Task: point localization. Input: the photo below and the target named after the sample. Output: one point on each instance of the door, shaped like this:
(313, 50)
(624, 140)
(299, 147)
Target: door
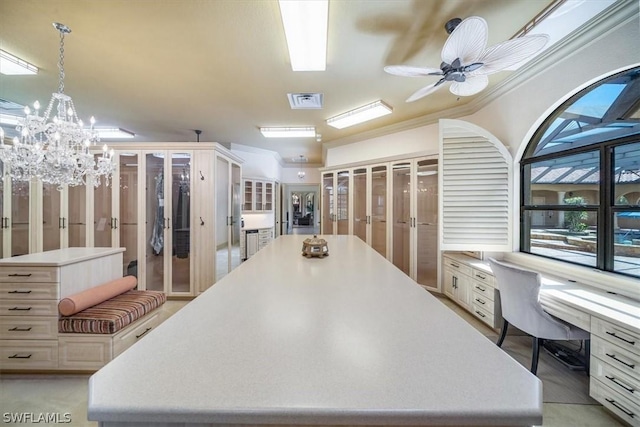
(426, 223)
(378, 206)
(401, 216)
(126, 221)
(360, 197)
(327, 203)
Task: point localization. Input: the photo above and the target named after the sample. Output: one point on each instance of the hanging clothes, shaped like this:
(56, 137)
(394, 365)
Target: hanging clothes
(157, 235)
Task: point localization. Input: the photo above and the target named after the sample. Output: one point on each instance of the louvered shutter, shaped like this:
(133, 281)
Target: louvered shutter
(475, 188)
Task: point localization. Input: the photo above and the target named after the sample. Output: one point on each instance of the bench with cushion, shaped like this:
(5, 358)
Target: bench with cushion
(99, 323)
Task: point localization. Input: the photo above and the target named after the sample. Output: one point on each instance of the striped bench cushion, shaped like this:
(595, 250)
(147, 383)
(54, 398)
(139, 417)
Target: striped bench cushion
(113, 314)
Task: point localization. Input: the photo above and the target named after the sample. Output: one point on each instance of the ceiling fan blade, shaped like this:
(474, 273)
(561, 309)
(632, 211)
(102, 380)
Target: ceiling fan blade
(467, 41)
(409, 71)
(510, 52)
(471, 86)
(425, 91)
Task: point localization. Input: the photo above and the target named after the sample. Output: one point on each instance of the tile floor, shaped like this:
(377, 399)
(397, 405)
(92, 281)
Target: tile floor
(67, 394)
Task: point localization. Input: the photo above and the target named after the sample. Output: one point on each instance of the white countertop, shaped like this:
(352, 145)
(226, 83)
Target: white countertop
(58, 257)
(347, 339)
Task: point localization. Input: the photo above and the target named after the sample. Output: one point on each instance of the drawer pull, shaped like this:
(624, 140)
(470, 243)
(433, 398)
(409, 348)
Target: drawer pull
(17, 329)
(480, 314)
(618, 383)
(480, 301)
(480, 276)
(17, 356)
(622, 408)
(19, 275)
(613, 356)
(19, 292)
(20, 309)
(145, 331)
(613, 334)
(480, 288)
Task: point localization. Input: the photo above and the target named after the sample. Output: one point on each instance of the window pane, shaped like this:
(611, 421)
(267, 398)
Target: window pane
(565, 235)
(565, 180)
(626, 254)
(626, 172)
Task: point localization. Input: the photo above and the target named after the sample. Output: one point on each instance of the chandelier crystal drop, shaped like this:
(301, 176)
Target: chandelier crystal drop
(56, 146)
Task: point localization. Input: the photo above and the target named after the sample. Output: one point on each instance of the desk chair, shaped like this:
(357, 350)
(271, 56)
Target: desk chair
(519, 301)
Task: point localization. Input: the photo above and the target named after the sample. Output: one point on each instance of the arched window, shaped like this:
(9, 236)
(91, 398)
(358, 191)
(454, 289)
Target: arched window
(580, 178)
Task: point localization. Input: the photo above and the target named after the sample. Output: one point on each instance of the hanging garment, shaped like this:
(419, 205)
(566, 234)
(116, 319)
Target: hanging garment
(157, 235)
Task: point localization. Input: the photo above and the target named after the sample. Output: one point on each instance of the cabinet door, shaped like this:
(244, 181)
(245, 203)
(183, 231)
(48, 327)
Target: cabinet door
(401, 211)
(20, 217)
(448, 285)
(327, 203)
(378, 209)
(156, 223)
(268, 196)
(360, 214)
(103, 218)
(77, 216)
(247, 199)
(342, 202)
(178, 215)
(222, 206)
(426, 198)
(52, 219)
(127, 219)
(258, 191)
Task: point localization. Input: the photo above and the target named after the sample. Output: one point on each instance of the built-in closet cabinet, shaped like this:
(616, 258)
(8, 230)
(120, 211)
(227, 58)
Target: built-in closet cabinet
(257, 196)
(335, 202)
(160, 205)
(227, 213)
(393, 207)
(414, 217)
(370, 206)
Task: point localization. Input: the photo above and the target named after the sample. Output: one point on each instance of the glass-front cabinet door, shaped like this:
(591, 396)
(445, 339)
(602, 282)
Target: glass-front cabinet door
(378, 208)
(223, 200)
(20, 216)
(342, 202)
(360, 214)
(76, 216)
(401, 216)
(53, 222)
(258, 188)
(426, 197)
(327, 203)
(104, 221)
(168, 222)
(126, 221)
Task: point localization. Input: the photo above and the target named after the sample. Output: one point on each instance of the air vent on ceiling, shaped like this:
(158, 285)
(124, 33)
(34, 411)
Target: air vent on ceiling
(305, 101)
(300, 159)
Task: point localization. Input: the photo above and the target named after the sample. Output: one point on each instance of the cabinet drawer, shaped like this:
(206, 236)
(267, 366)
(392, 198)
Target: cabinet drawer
(457, 266)
(615, 402)
(482, 301)
(482, 314)
(483, 277)
(84, 351)
(28, 327)
(35, 307)
(126, 338)
(25, 291)
(28, 354)
(29, 274)
(616, 379)
(618, 335)
(611, 354)
(264, 233)
(483, 289)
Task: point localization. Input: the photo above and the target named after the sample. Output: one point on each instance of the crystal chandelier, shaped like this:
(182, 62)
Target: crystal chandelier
(55, 146)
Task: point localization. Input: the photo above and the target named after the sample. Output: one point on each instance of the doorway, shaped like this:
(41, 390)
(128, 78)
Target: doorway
(302, 210)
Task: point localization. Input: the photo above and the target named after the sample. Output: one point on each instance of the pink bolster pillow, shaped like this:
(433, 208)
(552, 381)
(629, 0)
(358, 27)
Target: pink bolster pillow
(90, 297)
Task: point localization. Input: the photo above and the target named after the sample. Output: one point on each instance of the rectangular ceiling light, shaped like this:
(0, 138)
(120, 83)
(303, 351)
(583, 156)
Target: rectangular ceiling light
(359, 115)
(302, 132)
(305, 27)
(12, 65)
(114, 133)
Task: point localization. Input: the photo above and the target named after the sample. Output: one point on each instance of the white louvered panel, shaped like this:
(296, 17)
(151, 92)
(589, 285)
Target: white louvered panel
(475, 190)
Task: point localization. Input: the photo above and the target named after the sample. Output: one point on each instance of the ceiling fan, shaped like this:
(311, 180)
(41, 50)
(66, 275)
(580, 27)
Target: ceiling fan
(466, 60)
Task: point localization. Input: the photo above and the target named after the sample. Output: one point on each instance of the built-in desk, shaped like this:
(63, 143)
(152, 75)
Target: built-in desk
(613, 320)
(348, 339)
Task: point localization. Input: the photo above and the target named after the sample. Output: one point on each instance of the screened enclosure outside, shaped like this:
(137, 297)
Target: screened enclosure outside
(580, 179)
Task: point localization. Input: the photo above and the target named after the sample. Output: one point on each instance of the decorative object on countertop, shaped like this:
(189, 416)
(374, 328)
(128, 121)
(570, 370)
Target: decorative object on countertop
(315, 247)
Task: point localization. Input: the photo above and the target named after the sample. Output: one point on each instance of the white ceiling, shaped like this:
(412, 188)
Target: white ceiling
(165, 68)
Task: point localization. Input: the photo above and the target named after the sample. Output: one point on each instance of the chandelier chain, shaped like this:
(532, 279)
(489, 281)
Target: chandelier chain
(61, 63)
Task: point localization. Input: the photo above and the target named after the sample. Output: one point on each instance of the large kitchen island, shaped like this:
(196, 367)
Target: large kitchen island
(343, 340)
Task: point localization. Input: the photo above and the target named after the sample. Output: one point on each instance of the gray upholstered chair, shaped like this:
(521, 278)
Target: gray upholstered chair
(519, 301)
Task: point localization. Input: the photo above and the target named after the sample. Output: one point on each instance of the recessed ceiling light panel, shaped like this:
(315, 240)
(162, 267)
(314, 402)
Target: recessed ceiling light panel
(12, 65)
(360, 115)
(289, 132)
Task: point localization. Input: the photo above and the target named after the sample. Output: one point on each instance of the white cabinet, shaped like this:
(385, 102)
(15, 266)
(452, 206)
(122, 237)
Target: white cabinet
(258, 196)
(252, 240)
(414, 218)
(336, 202)
(31, 287)
(469, 282)
(370, 206)
(615, 368)
(457, 282)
